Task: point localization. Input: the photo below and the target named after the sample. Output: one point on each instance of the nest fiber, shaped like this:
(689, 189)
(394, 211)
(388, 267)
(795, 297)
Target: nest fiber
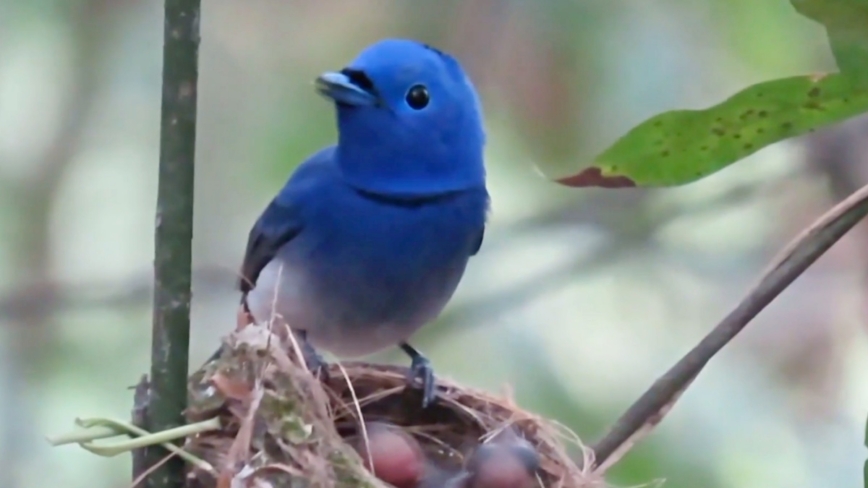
(280, 425)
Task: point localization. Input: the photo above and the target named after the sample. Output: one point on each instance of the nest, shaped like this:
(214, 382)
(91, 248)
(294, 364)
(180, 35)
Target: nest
(279, 424)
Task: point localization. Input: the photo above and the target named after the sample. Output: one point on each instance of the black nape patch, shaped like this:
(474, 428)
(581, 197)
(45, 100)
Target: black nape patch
(359, 78)
(432, 48)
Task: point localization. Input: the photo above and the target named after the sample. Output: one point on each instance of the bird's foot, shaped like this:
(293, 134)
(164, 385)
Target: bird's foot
(315, 363)
(312, 359)
(243, 318)
(421, 370)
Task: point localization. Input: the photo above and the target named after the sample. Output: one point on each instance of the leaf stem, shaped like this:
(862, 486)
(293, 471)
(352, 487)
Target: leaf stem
(92, 429)
(83, 435)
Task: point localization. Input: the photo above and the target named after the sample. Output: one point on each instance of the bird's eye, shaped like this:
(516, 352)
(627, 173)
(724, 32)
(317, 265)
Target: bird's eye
(417, 97)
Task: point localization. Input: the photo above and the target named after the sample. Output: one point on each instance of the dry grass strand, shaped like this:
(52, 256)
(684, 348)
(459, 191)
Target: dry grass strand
(291, 425)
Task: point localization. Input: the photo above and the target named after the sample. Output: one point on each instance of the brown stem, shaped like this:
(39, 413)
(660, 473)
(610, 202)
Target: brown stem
(653, 405)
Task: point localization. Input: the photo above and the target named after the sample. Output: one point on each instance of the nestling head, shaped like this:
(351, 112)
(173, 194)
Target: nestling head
(410, 122)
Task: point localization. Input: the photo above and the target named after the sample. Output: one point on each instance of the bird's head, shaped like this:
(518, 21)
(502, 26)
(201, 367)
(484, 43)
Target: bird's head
(409, 121)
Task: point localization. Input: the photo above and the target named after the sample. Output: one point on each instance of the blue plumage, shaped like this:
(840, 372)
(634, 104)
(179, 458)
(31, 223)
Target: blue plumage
(370, 237)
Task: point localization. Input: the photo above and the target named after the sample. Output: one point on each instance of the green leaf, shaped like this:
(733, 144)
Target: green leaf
(682, 146)
(846, 23)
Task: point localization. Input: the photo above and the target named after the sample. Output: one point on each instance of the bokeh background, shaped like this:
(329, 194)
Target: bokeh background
(579, 298)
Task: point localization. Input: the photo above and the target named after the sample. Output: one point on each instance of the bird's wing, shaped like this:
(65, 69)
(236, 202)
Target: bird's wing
(478, 242)
(277, 225)
(481, 237)
(282, 219)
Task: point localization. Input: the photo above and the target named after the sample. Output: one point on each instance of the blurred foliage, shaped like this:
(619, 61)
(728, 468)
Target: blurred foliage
(845, 22)
(682, 146)
(578, 299)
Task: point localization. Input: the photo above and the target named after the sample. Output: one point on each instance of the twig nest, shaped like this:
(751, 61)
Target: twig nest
(284, 428)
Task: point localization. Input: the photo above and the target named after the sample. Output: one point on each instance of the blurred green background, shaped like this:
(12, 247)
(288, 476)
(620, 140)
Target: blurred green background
(579, 298)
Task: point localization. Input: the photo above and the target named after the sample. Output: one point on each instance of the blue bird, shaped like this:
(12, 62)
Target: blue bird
(369, 238)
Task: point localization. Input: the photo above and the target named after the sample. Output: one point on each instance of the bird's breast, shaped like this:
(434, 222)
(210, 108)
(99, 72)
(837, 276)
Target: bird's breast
(365, 274)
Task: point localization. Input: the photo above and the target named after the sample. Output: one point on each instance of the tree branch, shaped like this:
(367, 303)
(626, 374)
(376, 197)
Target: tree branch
(653, 405)
(174, 234)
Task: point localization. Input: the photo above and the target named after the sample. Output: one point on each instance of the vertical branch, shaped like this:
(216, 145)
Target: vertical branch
(174, 233)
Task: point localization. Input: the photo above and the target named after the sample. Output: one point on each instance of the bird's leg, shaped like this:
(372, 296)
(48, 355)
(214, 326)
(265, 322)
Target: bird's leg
(315, 363)
(244, 318)
(213, 357)
(420, 368)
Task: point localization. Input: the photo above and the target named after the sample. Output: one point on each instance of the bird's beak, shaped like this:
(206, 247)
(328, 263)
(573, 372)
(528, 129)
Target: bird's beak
(340, 88)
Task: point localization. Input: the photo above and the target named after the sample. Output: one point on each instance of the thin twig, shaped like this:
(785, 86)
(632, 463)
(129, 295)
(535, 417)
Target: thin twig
(362, 426)
(139, 415)
(94, 429)
(174, 233)
(791, 262)
(141, 477)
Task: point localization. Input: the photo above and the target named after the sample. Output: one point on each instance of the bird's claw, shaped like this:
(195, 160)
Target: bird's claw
(314, 362)
(421, 369)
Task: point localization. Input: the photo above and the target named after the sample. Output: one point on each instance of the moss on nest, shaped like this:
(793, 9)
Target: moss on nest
(284, 427)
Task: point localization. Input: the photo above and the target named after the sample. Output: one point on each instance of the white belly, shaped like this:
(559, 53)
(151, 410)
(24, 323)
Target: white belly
(282, 294)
